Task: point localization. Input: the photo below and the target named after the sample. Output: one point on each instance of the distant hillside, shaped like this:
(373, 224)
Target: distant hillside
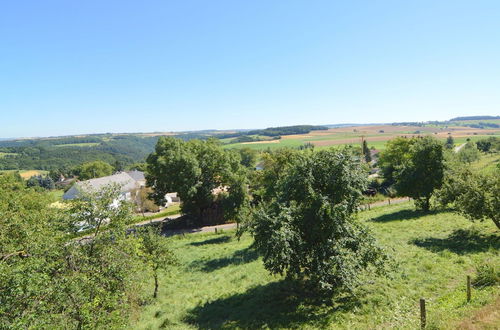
(475, 118)
(66, 152)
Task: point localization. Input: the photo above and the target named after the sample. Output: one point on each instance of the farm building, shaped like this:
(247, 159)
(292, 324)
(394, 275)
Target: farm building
(128, 181)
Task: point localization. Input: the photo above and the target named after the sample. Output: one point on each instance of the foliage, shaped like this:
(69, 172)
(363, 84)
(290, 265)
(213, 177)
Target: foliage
(450, 143)
(69, 152)
(308, 231)
(44, 182)
(416, 166)
(203, 174)
(155, 252)
(47, 281)
(273, 164)
(468, 153)
(141, 199)
(487, 275)
(475, 195)
(96, 169)
(393, 158)
(366, 152)
(248, 157)
(490, 144)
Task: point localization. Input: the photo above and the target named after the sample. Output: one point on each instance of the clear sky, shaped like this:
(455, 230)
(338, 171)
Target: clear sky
(96, 66)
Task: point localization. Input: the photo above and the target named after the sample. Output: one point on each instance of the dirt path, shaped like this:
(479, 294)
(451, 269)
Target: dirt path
(227, 226)
(457, 148)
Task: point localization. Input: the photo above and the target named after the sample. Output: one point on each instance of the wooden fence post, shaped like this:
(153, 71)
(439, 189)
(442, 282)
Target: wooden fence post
(468, 288)
(216, 230)
(389, 201)
(423, 316)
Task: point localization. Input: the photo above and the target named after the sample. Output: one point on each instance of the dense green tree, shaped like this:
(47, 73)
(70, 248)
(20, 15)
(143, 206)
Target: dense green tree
(96, 169)
(248, 157)
(393, 157)
(450, 142)
(366, 152)
(476, 196)
(415, 167)
(44, 182)
(490, 144)
(421, 171)
(204, 175)
(273, 165)
(308, 230)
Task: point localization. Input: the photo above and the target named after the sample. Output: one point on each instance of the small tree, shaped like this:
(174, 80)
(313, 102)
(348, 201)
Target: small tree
(468, 153)
(450, 142)
(476, 196)
(366, 152)
(156, 253)
(308, 231)
(141, 198)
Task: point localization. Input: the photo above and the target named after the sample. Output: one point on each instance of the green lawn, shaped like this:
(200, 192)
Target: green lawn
(221, 283)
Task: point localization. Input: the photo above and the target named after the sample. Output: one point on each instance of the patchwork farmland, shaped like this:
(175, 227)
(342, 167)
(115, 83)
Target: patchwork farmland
(375, 135)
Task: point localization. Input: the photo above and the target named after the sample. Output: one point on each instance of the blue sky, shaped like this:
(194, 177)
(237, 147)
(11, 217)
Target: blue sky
(69, 67)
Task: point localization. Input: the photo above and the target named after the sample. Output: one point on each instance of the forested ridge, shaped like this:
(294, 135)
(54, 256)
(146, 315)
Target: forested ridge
(56, 153)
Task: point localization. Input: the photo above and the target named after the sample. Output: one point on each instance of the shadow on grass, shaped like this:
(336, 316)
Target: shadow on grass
(275, 305)
(218, 240)
(237, 258)
(402, 215)
(461, 241)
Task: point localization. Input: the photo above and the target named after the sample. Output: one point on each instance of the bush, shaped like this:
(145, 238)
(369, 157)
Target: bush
(487, 275)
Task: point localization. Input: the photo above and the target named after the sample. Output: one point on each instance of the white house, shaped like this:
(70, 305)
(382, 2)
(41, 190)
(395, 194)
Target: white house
(128, 181)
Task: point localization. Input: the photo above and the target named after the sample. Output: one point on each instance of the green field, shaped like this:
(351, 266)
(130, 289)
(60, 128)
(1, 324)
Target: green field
(295, 143)
(221, 283)
(488, 163)
(88, 144)
(3, 154)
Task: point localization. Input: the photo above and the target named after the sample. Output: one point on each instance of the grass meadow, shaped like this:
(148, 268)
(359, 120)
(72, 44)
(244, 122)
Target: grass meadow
(220, 282)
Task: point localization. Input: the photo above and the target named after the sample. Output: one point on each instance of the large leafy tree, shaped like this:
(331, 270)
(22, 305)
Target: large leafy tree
(415, 166)
(204, 175)
(308, 230)
(93, 170)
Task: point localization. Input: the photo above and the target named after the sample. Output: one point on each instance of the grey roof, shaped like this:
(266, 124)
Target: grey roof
(137, 175)
(126, 182)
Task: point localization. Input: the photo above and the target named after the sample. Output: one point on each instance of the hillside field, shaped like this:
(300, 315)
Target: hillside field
(376, 136)
(221, 282)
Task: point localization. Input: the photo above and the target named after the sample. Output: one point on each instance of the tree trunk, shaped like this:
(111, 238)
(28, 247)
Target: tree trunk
(497, 222)
(155, 294)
